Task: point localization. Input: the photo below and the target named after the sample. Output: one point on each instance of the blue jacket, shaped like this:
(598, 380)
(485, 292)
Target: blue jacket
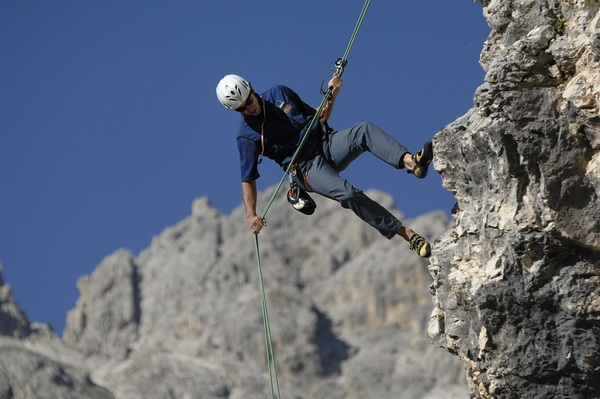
(282, 120)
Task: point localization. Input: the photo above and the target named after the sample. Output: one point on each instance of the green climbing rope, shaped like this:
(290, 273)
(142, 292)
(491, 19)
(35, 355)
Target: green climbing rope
(340, 64)
(273, 381)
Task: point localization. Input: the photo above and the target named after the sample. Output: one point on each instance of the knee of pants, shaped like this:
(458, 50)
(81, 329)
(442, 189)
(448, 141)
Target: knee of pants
(349, 197)
(367, 128)
(362, 130)
(366, 125)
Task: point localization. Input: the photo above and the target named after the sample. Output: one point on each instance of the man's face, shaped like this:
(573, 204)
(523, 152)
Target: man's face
(252, 105)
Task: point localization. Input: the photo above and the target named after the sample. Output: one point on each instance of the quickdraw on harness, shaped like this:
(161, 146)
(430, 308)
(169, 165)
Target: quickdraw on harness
(296, 195)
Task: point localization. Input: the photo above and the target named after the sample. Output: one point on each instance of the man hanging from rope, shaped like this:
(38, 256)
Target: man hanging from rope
(273, 125)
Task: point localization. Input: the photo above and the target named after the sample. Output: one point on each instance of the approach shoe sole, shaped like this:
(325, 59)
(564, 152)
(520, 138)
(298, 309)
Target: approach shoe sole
(422, 160)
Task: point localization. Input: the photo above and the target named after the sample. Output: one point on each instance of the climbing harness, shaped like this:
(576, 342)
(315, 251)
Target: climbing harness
(340, 65)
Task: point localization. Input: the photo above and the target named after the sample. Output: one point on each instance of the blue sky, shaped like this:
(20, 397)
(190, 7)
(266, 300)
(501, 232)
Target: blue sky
(110, 127)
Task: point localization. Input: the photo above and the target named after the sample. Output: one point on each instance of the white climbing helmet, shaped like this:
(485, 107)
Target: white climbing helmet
(233, 91)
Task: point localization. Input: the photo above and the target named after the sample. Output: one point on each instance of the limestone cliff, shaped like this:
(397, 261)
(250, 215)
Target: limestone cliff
(517, 278)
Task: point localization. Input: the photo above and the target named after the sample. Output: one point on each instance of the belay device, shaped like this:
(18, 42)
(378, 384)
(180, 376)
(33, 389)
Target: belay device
(299, 198)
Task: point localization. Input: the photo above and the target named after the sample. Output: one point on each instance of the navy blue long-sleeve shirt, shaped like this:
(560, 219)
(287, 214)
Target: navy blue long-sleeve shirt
(282, 120)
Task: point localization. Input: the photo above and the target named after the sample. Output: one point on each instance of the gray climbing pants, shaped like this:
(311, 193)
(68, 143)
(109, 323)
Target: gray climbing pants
(342, 147)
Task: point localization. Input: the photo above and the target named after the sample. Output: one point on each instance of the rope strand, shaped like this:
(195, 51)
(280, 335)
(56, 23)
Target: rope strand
(273, 381)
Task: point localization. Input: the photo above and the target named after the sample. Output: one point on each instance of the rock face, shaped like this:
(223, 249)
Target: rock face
(517, 278)
(348, 311)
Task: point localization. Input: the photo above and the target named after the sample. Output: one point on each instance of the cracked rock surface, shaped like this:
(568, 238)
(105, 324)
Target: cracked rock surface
(517, 278)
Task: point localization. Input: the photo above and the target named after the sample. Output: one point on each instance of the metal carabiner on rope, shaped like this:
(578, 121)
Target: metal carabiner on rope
(339, 64)
(297, 197)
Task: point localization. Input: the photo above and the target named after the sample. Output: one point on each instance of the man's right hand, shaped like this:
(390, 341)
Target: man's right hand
(256, 223)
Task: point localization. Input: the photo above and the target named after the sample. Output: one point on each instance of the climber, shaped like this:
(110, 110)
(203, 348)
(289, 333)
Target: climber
(273, 125)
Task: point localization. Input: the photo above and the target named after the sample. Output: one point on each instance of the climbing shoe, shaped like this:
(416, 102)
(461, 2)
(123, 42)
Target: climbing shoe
(422, 159)
(420, 246)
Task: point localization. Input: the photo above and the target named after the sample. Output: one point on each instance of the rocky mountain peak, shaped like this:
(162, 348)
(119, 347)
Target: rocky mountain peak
(13, 322)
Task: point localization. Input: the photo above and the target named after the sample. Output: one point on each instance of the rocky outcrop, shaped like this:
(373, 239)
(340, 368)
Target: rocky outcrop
(115, 283)
(34, 363)
(13, 322)
(348, 311)
(516, 279)
(44, 369)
